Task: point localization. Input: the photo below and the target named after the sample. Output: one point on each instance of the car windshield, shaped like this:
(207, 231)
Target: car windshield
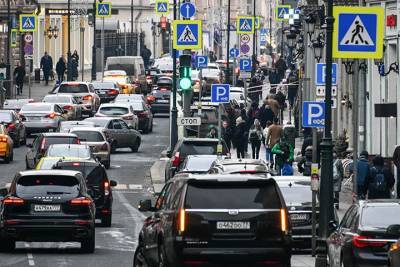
(57, 99)
(232, 195)
(98, 122)
(380, 216)
(53, 140)
(73, 88)
(43, 107)
(117, 79)
(296, 194)
(103, 85)
(5, 117)
(128, 68)
(69, 151)
(199, 148)
(47, 164)
(114, 111)
(66, 125)
(47, 185)
(199, 164)
(89, 136)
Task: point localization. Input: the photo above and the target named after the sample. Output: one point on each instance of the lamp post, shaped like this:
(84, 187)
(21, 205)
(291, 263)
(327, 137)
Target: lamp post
(94, 74)
(228, 33)
(174, 110)
(69, 73)
(291, 43)
(318, 46)
(8, 65)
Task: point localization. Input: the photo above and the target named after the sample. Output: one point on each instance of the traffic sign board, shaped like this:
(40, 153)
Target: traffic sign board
(358, 32)
(234, 52)
(313, 114)
(189, 121)
(245, 24)
(333, 103)
(201, 62)
(245, 64)
(245, 75)
(187, 10)
(28, 38)
(280, 12)
(244, 38)
(320, 73)
(13, 38)
(187, 34)
(27, 23)
(220, 93)
(162, 7)
(321, 91)
(291, 16)
(103, 9)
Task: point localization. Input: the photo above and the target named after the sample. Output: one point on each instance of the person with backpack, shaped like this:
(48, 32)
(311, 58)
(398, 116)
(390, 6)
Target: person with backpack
(284, 156)
(338, 174)
(380, 180)
(255, 138)
(363, 169)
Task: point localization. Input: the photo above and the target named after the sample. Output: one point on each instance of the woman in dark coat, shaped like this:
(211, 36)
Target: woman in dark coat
(60, 69)
(239, 138)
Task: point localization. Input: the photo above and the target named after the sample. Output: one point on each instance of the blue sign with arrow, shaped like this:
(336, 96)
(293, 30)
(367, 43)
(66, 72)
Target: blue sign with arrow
(220, 93)
(234, 52)
(320, 74)
(187, 10)
(201, 62)
(313, 114)
(245, 64)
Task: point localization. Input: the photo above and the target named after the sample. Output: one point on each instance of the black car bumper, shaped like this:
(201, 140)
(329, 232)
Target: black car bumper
(160, 108)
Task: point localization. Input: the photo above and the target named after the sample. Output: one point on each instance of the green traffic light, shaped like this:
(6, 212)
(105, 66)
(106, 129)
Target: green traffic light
(185, 83)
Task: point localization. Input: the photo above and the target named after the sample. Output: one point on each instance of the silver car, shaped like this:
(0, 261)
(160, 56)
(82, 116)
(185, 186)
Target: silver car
(42, 117)
(122, 111)
(97, 141)
(66, 102)
(68, 125)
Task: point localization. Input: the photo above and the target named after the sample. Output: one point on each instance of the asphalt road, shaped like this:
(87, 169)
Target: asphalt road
(115, 245)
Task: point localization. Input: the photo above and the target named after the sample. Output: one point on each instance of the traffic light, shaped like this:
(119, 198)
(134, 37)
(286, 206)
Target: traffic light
(185, 72)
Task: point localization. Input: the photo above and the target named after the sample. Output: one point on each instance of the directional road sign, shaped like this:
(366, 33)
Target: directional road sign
(245, 24)
(313, 114)
(162, 7)
(263, 36)
(187, 34)
(333, 102)
(358, 32)
(187, 10)
(201, 62)
(320, 73)
(220, 93)
(321, 91)
(245, 64)
(103, 10)
(27, 23)
(234, 52)
(14, 35)
(280, 12)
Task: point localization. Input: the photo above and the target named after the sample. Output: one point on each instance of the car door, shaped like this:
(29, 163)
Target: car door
(111, 132)
(33, 152)
(126, 135)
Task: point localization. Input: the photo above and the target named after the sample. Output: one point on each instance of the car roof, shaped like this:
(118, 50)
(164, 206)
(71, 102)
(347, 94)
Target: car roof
(68, 146)
(240, 161)
(379, 202)
(87, 129)
(198, 140)
(39, 104)
(75, 83)
(225, 177)
(92, 119)
(48, 172)
(116, 104)
(192, 157)
(58, 135)
(59, 95)
(77, 122)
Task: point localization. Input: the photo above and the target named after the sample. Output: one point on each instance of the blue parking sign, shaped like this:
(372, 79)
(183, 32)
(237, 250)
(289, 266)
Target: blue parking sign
(220, 93)
(245, 64)
(320, 74)
(313, 114)
(201, 62)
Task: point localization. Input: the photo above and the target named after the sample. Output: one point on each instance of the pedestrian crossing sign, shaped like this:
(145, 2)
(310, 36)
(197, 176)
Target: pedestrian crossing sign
(280, 12)
(162, 7)
(103, 10)
(27, 23)
(187, 34)
(358, 32)
(245, 25)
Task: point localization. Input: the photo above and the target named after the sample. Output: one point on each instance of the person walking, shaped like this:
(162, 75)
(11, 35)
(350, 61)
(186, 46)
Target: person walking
(226, 133)
(380, 181)
(281, 67)
(265, 114)
(253, 113)
(293, 87)
(212, 132)
(363, 171)
(274, 105)
(304, 165)
(268, 154)
(239, 138)
(273, 78)
(255, 138)
(145, 53)
(275, 132)
(396, 161)
(19, 74)
(46, 64)
(338, 174)
(75, 56)
(284, 155)
(60, 69)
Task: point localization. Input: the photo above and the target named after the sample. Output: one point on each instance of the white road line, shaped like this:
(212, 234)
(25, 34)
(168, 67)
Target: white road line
(31, 262)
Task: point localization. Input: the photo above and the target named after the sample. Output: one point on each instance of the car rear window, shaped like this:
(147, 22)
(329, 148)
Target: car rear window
(47, 185)
(232, 195)
(114, 111)
(199, 164)
(137, 106)
(60, 140)
(57, 99)
(128, 68)
(47, 164)
(380, 216)
(5, 117)
(69, 151)
(98, 122)
(297, 194)
(163, 94)
(94, 175)
(198, 148)
(89, 136)
(43, 107)
(104, 85)
(65, 126)
(73, 88)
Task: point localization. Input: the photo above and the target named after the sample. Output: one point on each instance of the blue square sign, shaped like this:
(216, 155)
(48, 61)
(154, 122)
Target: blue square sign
(220, 93)
(245, 64)
(313, 114)
(187, 34)
(201, 62)
(320, 74)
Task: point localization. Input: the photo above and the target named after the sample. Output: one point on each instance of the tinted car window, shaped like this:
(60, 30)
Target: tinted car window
(137, 106)
(47, 185)
(227, 195)
(73, 88)
(296, 194)
(104, 85)
(42, 107)
(94, 175)
(198, 164)
(60, 140)
(73, 151)
(197, 148)
(98, 122)
(380, 216)
(5, 117)
(114, 111)
(57, 99)
(89, 136)
(161, 94)
(47, 164)
(128, 68)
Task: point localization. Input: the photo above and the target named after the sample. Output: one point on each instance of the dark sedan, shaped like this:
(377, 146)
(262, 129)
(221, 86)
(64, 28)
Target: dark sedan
(160, 100)
(15, 127)
(106, 90)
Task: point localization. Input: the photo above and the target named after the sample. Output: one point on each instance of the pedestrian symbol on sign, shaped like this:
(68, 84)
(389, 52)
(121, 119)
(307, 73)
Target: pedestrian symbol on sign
(103, 10)
(162, 7)
(357, 34)
(245, 26)
(28, 24)
(187, 35)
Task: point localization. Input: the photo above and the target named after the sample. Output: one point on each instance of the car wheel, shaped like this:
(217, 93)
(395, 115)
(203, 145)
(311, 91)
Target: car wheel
(7, 159)
(88, 245)
(7, 245)
(146, 129)
(106, 220)
(135, 147)
(139, 260)
(113, 146)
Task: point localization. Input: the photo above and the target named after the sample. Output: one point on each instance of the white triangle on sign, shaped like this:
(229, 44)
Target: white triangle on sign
(187, 35)
(282, 13)
(162, 7)
(103, 10)
(245, 26)
(357, 34)
(28, 24)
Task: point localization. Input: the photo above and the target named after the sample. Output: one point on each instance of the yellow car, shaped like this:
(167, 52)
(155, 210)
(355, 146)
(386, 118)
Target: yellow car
(47, 163)
(6, 145)
(123, 81)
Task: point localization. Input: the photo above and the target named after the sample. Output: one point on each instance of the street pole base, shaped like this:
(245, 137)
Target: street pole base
(321, 259)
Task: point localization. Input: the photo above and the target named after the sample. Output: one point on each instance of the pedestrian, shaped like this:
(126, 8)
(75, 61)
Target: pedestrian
(74, 69)
(268, 154)
(281, 67)
(338, 174)
(212, 132)
(274, 105)
(226, 133)
(255, 138)
(75, 56)
(363, 171)
(284, 155)
(273, 78)
(46, 64)
(252, 113)
(304, 165)
(60, 69)
(275, 132)
(247, 125)
(145, 53)
(289, 132)
(281, 98)
(19, 74)
(293, 87)
(396, 161)
(239, 138)
(265, 114)
(380, 180)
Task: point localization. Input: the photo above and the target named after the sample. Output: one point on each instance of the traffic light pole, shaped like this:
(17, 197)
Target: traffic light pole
(94, 73)
(228, 34)
(174, 111)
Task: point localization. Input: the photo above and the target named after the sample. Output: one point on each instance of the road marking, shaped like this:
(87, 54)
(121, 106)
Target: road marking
(31, 262)
(128, 187)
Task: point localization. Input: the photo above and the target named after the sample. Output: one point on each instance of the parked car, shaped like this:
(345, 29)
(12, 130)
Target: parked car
(47, 206)
(152, 75)
(100, 187)
(131, 98)
(361, 238)
(67, 125)
(16, 104)
(14, 125)
(145, 116)
(73, 110)
(216, 219)
(40, 144)
(247, 166)
(6, 145)
(197, 164)
(160, 101)
(122, 111)
(191, 146)
(47, 163)
(41, 117)
(106, 90)
(97, 141)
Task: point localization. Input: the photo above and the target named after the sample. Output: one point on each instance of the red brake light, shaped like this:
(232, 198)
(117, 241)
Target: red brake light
(51, 115)
(113, 92)
(248, 171)
(67, 107)
(176, 160)
(11, 126)
(76, 164)
(81, 201)
(151, 98)
(13, 201)
(163, 89)
(284, 225)
(3, 139)
(365, 241)
(106, 186)
(87, 97)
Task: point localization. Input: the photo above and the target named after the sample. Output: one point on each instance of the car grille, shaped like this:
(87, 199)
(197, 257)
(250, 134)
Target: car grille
(300, 218)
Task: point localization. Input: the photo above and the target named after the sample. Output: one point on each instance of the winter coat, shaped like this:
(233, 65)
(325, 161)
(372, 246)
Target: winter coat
(274, 134)
(19, 74)
(370, 179)
(255, 135)
(46, 64)
(60, 67)
(274, 105)
(396, 156)
(284, 153)
(363, 171)
(289, 132)
(265, 114)
(304, 165)
(226, 135)
(239, 138)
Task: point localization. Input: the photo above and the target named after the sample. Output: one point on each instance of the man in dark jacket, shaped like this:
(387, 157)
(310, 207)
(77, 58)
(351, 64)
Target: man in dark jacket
(281, 67)
(396, 161)
(380, 181)
(239, 138)
(19, 74)
(265, 114)
(226, 133)
(145, 53)
(363, 171)
(46, 64)
(60, 69)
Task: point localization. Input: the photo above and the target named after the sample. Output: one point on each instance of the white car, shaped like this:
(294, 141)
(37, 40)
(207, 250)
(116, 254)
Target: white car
(122, 111)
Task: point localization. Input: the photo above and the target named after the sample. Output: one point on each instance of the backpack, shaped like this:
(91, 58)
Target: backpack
(378, 183)
(253, 136)
(287, 169)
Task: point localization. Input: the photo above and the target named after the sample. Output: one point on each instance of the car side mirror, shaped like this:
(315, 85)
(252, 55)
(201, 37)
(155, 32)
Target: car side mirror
(393, 229)
(113, 183)
(145, 205)
(169, 154)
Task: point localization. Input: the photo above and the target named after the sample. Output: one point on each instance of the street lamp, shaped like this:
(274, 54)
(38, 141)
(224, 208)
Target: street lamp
(52, 32)
(291, 43)
(318, 45)
(348, 65)
(310, 20)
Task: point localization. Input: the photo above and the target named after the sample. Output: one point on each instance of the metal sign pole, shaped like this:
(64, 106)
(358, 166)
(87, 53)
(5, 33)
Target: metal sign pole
(102, 51)
(29, 78)
(199, 105)
(314, 196)
(234, 72)
(219, 150)
(245, 92)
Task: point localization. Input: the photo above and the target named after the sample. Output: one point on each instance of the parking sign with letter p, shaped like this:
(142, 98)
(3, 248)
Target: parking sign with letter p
(220, 93)
(313, 114)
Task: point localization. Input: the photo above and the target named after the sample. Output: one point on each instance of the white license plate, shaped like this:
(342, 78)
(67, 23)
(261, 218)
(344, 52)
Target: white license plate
(298, 217)
(34, 118)
(44, 208)
(162, 101)
(101, 92)
(233, 225)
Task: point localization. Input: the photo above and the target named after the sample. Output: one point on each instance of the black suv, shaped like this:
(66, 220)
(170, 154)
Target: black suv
(216, 219)
(98, 184)
(47, 206)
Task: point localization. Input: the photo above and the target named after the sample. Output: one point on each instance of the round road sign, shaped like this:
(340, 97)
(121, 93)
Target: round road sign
(234, 52)
(245, 48)
(244, 38)
(28, 38)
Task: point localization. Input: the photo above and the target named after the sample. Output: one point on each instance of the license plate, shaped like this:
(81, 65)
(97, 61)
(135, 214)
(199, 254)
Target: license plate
(34, 118)
(233, 225)
(299, 217)
(101, 92)
(162, 101)
(44, 208)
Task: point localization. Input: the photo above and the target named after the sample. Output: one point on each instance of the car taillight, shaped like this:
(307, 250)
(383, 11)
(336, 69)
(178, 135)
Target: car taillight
(237, 70)
(284, 226)
(104, 147)
(394, 247)
(106, 186)
(3, 139)
(76, 164)
(163, 89)
(150, 98)
(113, 92)
(80, 201)
(77, 141)
(176, 160)
(197, 82)
(142, 114)
(129, 117)
(13, 201)
(365, 241)
(87, 97)
(182, 221)
(51, 115)
(67, 107)
(11, 126)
